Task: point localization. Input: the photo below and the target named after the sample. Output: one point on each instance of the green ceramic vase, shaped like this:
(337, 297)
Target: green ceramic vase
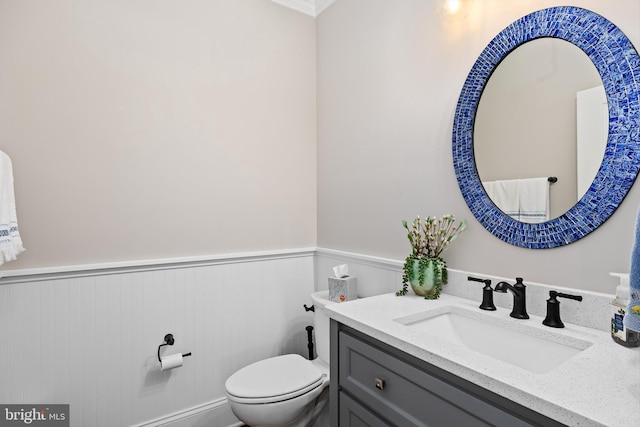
(427, 276)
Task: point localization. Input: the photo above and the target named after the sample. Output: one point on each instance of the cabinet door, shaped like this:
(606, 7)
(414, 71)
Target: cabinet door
(352, 414)
(406, 395)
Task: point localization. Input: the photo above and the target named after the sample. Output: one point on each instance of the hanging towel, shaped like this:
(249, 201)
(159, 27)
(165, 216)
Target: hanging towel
(505, 194)
(534, 199)
(10, 241)
(525, 200)
(632, 316)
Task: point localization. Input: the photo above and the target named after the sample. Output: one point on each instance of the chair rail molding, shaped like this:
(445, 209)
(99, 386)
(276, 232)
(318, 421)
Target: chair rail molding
(70, 271)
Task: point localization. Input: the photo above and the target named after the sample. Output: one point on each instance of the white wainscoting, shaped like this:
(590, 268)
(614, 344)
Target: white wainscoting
(88, 336)
(375, 275)
(211, 414)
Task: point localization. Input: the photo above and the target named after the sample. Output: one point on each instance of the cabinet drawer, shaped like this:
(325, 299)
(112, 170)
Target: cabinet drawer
(406, 395)
(353, 414)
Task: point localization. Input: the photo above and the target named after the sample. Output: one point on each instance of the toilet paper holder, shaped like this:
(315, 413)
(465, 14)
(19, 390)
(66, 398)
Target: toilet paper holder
(169, 340)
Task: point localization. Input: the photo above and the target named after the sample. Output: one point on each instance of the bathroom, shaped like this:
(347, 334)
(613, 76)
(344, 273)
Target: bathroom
(197, 168)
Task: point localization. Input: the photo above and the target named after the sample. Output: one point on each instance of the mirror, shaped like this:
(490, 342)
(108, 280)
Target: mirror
(528, 109)
(618, 66)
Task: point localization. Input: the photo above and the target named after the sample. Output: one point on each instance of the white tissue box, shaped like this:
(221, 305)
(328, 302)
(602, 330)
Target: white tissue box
(343, 288)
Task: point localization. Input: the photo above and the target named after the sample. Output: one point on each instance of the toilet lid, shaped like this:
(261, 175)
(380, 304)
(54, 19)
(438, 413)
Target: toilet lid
(276, 376)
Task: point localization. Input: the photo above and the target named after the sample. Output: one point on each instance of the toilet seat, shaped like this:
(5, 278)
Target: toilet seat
(274, 380)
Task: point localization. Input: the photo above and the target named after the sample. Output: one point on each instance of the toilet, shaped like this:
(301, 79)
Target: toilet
(288, 390)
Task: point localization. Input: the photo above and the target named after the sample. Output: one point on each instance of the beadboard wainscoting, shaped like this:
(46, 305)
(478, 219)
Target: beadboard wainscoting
(88, 336)
(375, 275)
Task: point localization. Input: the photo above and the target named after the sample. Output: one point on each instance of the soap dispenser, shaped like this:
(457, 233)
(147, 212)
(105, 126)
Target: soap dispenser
(619, 333)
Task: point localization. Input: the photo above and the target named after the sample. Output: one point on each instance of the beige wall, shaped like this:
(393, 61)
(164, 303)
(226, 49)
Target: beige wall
(389, 76)
(158, 129)
(152, 129)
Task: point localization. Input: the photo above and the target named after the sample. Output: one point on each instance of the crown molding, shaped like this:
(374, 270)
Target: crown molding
(321, 5)
(309, 7)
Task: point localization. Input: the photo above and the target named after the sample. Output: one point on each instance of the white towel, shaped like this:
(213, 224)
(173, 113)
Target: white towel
(505, 194)
(632, 317)
(534, 199)
(525, 200)
(10, 241)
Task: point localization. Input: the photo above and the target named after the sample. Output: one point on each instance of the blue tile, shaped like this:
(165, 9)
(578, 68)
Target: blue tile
(618, 63)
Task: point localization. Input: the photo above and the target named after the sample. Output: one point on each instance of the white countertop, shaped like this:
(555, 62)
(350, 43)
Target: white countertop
(599, 386)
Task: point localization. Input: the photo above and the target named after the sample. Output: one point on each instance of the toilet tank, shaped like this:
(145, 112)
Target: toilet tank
(321, 324)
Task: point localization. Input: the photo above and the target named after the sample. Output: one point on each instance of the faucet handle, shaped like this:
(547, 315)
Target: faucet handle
(487, 293)
(553, 308)
(569, 296)
(487, 282)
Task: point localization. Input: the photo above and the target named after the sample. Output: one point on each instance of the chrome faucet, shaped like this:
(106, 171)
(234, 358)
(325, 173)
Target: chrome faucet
(519, 310)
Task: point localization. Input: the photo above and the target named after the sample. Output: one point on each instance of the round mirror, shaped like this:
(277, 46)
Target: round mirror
(534, 119)
(618, 66)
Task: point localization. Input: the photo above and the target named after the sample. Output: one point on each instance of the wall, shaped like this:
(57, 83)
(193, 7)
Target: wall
(157, 129)
(89, 338)
(143, 130)
(151, 141)
(389, 76)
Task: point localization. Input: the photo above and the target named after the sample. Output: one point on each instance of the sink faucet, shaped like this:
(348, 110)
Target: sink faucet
(553, 308)
(519, 310)
(487, 293)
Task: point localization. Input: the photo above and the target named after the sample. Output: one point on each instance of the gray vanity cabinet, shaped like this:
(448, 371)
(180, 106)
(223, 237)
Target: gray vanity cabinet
(374, 384)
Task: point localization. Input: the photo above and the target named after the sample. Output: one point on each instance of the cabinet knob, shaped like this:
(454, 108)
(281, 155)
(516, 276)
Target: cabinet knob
(379, 384)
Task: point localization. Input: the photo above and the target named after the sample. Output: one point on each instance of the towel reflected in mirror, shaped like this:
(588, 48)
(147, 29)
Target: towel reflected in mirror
(525, 200)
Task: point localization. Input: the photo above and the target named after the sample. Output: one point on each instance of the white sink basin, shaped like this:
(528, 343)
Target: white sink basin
(536, 350)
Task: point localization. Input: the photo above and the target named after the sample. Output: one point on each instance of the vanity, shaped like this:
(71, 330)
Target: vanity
(396, 361)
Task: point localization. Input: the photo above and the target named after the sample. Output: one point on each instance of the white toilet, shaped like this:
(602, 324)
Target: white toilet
(285, 390)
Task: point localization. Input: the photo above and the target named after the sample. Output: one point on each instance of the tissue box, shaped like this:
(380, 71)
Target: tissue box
(343, 288)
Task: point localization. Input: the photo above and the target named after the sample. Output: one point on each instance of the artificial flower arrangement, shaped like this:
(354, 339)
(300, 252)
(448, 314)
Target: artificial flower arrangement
(425, 269)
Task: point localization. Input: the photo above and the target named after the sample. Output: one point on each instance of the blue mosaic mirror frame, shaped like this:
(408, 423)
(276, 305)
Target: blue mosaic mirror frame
(618, 64)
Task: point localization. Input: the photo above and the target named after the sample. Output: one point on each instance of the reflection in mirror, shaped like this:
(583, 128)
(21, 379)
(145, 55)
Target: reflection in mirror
(527, 125)
(617, 62)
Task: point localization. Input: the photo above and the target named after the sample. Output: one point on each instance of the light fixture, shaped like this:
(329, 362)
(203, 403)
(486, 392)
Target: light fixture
(452, 6)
